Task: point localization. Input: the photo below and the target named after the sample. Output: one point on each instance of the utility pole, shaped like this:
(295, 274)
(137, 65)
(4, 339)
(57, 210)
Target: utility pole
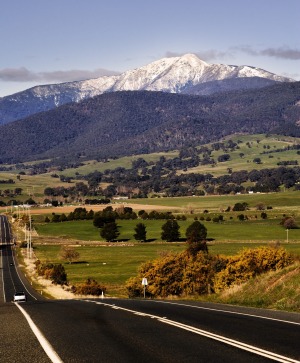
(28, 235)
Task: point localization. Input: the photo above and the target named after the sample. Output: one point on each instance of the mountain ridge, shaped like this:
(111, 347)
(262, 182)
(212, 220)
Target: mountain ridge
(173, 75)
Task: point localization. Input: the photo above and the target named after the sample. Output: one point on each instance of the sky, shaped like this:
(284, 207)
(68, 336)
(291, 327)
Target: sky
(43, 42)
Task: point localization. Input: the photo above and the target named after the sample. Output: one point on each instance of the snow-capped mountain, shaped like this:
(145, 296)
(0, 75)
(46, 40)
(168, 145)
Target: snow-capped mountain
(173, 75)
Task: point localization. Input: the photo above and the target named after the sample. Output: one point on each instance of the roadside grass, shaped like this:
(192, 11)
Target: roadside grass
(274, 290)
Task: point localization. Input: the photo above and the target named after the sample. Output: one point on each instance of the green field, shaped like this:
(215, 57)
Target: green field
(250, 146)
(112, 265)
(283, 202)
(259, 230)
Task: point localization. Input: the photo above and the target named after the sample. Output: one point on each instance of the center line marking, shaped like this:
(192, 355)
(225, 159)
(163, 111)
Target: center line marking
(220, 338)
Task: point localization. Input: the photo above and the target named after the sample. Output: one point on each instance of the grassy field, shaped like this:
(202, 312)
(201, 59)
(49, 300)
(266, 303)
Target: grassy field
(259, 230)
(250, 146)
(283, 201)
(110, 265)
(113, 264)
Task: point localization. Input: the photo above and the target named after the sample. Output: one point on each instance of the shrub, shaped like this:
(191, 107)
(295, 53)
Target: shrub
(55, 273)
(176, 274)
(89, 287)
(250, 263)
(202, 273)
(264, 215)
(289, 223)
(240, 207)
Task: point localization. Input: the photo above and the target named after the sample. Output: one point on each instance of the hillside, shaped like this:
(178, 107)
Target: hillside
(125, 123)
(273, 290)
(171, 75)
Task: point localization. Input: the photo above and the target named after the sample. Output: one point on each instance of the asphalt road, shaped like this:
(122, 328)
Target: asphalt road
(123, 330)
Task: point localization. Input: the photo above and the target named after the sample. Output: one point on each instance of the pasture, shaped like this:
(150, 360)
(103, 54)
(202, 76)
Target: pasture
(112, 264)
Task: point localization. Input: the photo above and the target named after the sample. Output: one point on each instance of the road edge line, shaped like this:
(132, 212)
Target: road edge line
(51, 353)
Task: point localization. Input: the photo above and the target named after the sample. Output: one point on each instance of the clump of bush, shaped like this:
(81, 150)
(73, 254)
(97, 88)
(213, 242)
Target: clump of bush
(54, 272)
(202, 273)
(176, 274)
(89, 287)
(250, 263)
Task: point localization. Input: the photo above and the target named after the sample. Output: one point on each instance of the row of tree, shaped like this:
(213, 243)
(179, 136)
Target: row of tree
(195, 233)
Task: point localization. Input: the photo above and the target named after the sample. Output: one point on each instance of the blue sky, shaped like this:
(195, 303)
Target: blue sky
(56, 41)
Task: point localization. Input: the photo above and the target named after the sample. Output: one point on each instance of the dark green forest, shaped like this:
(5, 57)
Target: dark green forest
(135, 122)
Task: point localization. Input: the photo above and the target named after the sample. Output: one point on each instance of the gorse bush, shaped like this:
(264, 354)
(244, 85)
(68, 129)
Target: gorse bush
(250, 263)
(54, 272)
(89, 287)
(188, 274)
(176, 274)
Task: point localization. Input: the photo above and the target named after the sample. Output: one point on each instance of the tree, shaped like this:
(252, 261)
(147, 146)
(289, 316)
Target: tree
(170, 231)
(196, 232)
(196, 238)
(69, 254)
(110, 231)
(140, 232)
(264, 215)
(241, 217)
(63, 218)
(224, 157)
(240, 207)
(289, 223)
(55, 218)
(257, 160)
(106, 216)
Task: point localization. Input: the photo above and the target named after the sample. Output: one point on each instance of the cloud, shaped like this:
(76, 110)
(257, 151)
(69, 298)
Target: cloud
(22, 74)
(17, 75)
(285, 53)
(281, 52)
(212, 54)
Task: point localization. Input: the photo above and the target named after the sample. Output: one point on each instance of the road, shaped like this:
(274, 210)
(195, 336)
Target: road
(124, 330)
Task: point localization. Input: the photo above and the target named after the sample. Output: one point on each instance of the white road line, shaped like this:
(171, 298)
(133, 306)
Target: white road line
(235, 343)
(228, 312)
(220, 338)
(2, 274)
(54, 357)
(4, 296)
(25, 288)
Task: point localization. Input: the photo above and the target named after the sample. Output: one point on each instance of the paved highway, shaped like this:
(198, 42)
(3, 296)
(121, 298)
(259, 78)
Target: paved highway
(121, 330)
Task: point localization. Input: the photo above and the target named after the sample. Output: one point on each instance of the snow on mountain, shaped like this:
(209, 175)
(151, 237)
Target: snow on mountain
(174, 75)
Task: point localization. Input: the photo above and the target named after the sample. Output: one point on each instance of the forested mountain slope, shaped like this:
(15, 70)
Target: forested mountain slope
(132, 122)
(186, 74)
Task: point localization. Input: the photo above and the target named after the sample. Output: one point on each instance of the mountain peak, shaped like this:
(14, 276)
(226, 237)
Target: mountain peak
(192, 58)
(174, 75)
